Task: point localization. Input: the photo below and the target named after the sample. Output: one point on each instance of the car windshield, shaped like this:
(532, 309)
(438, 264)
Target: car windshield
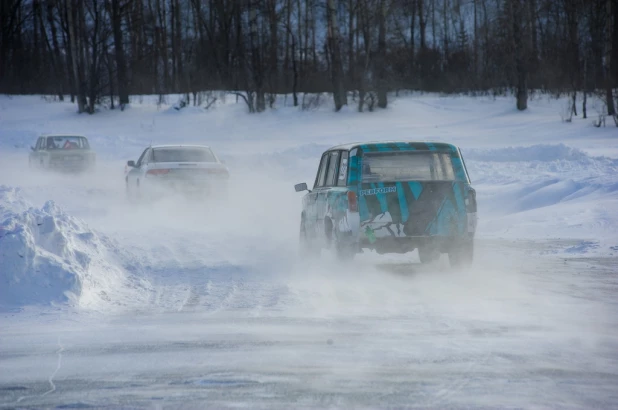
(183, 154)
(61, 142)
(407, 166)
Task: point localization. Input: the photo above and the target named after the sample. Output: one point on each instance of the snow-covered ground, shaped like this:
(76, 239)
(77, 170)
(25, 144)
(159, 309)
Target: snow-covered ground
(191, 303)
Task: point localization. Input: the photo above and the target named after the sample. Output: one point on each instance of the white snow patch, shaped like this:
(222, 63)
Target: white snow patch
(48, 256)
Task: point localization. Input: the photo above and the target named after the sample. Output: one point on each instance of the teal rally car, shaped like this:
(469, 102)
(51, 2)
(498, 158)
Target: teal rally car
(392, 197)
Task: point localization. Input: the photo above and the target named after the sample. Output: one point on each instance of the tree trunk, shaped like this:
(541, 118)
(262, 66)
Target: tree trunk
(162, 44)
(66, 41)
(445, 28)
(288, 33)
(295, 70)
(412, 38)
(422, 21)
(257, 69)
(573, 48)
(351, 79)
(518, 41)
(179, 54)
(81, 106)
(381, 56)
(121, 65)
(532, 27)
(475, 52)
(49, 51)
(56, 51)
(273, 63)
(609, 81)
(92, 60)
(339, 94)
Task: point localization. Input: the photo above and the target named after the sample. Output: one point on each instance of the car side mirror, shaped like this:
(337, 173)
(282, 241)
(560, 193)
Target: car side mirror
(301, 187)
(131, 164)
(32, 148)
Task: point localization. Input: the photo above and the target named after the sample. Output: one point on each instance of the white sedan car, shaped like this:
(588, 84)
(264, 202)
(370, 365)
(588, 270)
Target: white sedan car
(165, 169)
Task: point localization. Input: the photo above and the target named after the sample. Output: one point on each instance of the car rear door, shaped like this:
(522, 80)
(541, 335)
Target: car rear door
(330, 183)
(411, 193)
(35, 154)
(136, 172)
(310, 200)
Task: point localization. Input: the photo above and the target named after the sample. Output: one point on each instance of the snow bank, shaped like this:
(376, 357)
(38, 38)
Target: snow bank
(540, 152)
(546, 191)
(47, 256)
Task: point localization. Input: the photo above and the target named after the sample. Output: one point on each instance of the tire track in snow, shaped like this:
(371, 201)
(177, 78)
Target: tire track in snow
(50, 379)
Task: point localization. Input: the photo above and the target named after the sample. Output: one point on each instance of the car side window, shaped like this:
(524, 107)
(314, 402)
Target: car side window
(139, 161)
(39, 144)
(321, 177)
(333, 164)
(342, 179)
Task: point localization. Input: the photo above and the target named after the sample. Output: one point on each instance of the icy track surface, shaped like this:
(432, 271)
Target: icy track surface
(205, 304)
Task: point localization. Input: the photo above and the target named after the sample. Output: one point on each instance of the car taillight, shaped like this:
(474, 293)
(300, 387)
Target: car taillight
(352, 203)
(471, 201)
(157, 171)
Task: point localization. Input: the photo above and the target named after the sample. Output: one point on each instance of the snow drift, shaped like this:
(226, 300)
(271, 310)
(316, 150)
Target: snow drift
(48, 256)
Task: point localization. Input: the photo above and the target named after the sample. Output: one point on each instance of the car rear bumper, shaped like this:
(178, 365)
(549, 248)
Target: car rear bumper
(70, 166)
(407, 244)
(162, 187)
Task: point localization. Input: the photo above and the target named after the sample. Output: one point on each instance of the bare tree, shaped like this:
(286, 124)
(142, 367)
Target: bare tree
(76, 54)
(382, 85)
(116, 9)
(339, 93)
(255, 48)
(609, 75)
(519, 41)
(256, 59)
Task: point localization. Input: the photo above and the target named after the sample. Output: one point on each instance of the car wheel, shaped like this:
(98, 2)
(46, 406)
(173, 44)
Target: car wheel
(427, 254)
(138, 191)
(461, 255)
(128, 190)
(345, 250)
(308, 247)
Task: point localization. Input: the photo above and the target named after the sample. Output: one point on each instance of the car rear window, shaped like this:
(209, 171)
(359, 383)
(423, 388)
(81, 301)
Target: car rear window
(182, 155)
(61, 142)
(407, 166)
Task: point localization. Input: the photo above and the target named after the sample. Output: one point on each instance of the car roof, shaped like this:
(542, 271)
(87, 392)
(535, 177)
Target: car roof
(63, 135)
(179, 146)
(352, 145)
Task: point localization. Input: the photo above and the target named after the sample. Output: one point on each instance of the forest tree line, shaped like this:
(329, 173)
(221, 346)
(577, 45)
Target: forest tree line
(92, 50)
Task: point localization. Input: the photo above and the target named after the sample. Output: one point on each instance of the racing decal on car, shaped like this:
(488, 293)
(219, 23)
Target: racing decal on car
(418, 208)
(375, 191)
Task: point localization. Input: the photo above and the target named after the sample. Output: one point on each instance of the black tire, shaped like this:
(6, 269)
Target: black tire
(344, 250)
(138, 191)
(307, 246)
(134, 194)
(427, 254)
(461, 255)
(128, 190)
